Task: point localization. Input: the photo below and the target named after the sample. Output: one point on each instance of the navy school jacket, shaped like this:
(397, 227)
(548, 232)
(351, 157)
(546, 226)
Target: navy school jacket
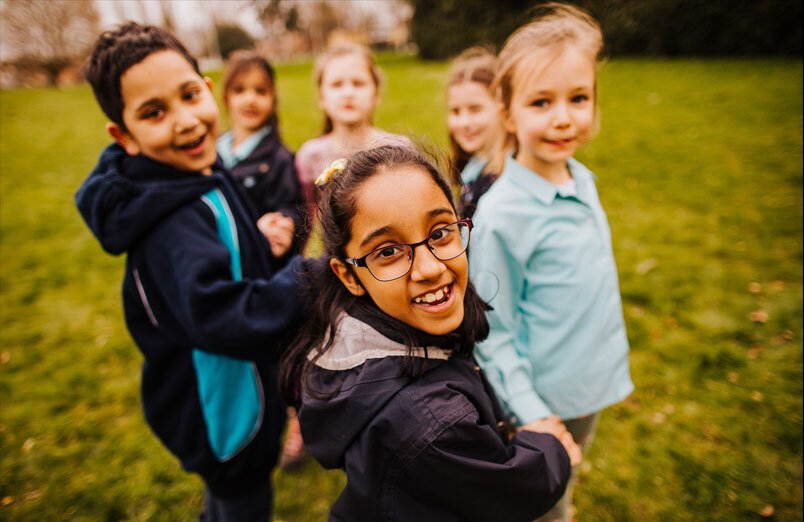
(210, 331)
(425, 449)
(268, 178)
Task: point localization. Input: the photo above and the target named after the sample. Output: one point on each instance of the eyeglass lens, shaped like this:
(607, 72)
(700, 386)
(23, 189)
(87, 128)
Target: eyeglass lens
(394, 261)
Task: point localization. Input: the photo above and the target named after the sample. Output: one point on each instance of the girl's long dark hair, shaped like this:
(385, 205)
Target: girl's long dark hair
(328, 298)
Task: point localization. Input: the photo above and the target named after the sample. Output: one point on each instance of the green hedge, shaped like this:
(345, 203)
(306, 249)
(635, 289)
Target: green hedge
(645, 27)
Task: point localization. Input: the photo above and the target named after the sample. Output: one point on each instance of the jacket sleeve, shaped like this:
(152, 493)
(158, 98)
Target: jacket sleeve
(509, 371)
(518, 481)
(192, 272)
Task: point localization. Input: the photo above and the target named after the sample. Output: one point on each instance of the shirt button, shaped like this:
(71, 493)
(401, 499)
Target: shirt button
(477, 369)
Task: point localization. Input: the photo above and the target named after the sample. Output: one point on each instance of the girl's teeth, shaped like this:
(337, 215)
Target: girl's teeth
(433, 297)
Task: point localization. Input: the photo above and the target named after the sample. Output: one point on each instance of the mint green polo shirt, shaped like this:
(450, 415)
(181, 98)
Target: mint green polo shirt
(544, 261)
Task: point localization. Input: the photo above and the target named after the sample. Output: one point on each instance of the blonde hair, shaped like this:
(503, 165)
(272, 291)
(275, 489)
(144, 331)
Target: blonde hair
(554, 26)
(475, 64)
(338, 51)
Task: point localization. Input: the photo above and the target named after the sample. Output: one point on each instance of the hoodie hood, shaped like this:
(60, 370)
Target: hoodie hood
(350, 384)
(124, 196)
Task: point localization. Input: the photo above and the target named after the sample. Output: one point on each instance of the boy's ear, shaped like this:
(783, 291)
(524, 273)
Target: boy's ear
(208, 81)
(123, 138)
(347, 277)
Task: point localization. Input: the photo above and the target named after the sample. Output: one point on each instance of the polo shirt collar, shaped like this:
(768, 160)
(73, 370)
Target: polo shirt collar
(540, 188)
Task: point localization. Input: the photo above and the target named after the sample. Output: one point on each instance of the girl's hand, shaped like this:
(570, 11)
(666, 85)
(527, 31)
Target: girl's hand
(556, 428)
(278, 229)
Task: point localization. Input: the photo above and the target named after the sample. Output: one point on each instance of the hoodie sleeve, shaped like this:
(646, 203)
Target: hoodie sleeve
(241, 319)
(519, 481)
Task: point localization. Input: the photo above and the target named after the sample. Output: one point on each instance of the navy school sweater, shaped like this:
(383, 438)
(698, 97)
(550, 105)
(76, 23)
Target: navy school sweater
(210, 332)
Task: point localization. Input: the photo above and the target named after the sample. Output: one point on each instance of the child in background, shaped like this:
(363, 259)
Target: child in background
(348, 83)
(557, 345)
(384, 369)
(472, 120)
(253, 151)
(200, 294)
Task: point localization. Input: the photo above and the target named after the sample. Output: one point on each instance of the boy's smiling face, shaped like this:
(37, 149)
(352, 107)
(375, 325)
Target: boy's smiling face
(169, 113)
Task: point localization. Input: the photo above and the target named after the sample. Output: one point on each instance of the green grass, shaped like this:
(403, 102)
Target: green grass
(699, 166)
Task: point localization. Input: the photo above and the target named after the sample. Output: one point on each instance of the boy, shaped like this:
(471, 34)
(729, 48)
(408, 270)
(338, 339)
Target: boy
(201, 296)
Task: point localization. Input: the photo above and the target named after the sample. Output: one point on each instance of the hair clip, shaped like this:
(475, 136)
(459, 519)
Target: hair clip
(334, 167)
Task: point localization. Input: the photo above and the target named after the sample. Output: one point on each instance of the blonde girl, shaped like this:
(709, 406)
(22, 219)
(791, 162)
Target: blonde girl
(558, 346)
(472, 121)
(253, 150)
(348, 82)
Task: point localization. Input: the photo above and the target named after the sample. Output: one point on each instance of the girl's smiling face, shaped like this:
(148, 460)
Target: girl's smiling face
(405, 205)
(250, 99)
(472, 115)
(552, 109)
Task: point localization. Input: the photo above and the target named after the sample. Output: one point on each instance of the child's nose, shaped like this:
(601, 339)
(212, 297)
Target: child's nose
(185, 120)
(425, 265)
(561, 115)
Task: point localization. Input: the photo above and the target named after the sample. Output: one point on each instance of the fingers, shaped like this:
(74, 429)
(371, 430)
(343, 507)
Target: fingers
(573, 450)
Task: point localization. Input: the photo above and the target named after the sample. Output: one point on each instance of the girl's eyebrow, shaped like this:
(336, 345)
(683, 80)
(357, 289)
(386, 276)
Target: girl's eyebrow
(388, 228)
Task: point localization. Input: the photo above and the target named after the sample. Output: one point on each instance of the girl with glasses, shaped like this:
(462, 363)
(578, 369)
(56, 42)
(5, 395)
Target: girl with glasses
(383, 371)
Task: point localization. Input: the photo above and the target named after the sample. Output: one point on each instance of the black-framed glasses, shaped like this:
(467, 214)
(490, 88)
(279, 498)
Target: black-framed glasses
(391, 262)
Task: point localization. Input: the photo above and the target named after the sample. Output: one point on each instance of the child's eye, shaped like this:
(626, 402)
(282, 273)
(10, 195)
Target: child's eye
(191, 95)
(580, 98)
(386, 255)
(152, 114)
(540, 103)
(442, 235)
(262, 92)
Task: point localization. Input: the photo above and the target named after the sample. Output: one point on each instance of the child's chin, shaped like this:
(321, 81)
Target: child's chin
(444, 325)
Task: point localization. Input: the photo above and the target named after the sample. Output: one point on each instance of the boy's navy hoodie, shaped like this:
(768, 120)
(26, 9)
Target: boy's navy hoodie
(192, 318)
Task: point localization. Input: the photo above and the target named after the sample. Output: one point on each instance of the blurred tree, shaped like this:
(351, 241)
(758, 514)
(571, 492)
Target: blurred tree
(232, 37)
(654, 27)
(51, 34)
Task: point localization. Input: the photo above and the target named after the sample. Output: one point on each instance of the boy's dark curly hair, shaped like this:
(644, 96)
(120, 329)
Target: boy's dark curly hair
(116, 51)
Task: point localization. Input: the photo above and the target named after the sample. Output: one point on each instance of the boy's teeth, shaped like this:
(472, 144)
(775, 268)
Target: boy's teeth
(439, 294)
(430, 298)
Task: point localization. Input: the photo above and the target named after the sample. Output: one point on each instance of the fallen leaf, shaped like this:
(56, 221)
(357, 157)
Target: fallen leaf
(754, 352)
(28, 445)
(5, 357)
(788, 334)
(6, 501)
(757, 396)
(732, 496)
(646, 266)
(754, 287)
(734, 377)
(777, 285)
(758, 316)
(671, 322)
(767, 511)
(658, 417)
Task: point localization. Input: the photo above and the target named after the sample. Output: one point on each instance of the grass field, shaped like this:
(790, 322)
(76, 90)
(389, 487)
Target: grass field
(699, 166)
